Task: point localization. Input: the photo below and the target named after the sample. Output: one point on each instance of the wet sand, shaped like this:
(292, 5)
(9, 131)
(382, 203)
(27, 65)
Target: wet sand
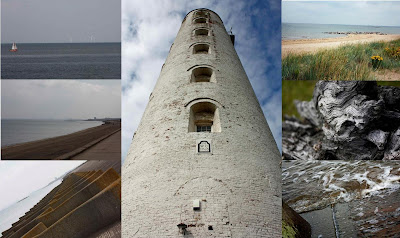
(61, 147)
(314, 45)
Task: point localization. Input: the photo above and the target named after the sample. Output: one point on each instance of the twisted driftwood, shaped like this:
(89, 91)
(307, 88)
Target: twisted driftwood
(346, 120)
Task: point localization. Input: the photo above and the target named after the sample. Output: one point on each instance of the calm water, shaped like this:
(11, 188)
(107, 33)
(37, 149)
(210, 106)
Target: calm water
(12, 213)
(19, 131)
(61, 61)
(316, 31)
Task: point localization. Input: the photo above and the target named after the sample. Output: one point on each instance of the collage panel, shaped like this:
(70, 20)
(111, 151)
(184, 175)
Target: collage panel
(60, 199)
(70, 39)
(203, 161)
(61, 119)
(341, 120)
(341, 198)
(340, 40)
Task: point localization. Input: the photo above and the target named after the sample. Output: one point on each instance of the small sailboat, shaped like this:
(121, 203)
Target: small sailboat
(14, 47)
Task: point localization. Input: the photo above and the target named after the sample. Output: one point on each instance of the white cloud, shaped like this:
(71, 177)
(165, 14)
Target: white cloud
(148, 30)
(60, 99)
(18, 179)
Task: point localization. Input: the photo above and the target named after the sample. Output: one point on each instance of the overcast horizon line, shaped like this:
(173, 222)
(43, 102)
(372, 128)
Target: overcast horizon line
(335, 24)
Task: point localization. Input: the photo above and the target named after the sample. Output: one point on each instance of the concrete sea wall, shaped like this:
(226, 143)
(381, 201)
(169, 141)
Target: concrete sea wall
(85, 203)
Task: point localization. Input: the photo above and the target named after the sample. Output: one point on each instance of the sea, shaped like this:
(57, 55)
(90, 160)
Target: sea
(61, 61)
(292, 31)
(12, 213)
(15, 131)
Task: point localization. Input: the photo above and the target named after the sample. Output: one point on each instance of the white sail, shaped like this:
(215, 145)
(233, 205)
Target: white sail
(14, 46)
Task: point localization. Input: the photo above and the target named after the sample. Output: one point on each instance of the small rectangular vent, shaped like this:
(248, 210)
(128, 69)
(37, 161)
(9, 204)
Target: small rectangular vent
(196, 204)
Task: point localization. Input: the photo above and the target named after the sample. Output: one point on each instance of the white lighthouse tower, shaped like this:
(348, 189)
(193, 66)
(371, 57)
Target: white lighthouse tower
(203, 162)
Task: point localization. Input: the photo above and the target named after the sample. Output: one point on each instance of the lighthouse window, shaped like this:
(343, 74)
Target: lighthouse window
(201, 32)
(200, 14)
(203, 74)
(201, 49)
(202, 128)
(204, 117)
(200, 20)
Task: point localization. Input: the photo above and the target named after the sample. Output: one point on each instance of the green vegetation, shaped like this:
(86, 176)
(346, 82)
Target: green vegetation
(303, 91)
(350, 62)
(288, 231)
(295, 90)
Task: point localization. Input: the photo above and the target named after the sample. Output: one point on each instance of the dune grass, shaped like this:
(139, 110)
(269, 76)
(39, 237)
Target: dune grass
(303, 91)
(349, 62)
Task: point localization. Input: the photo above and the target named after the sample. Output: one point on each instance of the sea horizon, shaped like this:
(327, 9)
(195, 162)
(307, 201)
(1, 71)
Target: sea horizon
(86, 60)
(319, 31)
(335, 24)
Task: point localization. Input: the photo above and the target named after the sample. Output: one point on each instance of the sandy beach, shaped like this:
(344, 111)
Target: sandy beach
(64, 147)
(313, 45)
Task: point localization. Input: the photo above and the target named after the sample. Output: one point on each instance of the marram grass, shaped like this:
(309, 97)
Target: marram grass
(349, 62)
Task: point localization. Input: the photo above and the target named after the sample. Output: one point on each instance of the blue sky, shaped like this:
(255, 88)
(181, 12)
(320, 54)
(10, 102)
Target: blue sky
(150, 27)
(378, 13)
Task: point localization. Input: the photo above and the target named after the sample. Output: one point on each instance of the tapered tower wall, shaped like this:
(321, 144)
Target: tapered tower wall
(237, 182)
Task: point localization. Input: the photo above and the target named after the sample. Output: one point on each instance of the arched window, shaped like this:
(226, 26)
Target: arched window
(204, 117)
(200, 14)
(200, 20)
(201, 49)
(202, 74)
(201, 32)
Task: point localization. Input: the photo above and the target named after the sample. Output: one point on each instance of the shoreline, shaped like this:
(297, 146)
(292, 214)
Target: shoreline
(61, 147)
(20, 143)
(300, 46)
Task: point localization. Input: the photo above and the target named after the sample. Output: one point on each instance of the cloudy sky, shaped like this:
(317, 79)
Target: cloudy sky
(18, 179)
(378, 13)
(149, 28)
(60, 99)
(55, 21)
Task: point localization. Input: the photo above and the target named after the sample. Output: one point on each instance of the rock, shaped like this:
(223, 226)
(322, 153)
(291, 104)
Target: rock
(378, 137)
(345, 120)
(393, 149)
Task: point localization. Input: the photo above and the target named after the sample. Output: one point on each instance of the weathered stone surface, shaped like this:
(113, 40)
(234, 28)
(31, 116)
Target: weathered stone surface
(100, 211)
(80, 197)
(345, 120)
(39, 228)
